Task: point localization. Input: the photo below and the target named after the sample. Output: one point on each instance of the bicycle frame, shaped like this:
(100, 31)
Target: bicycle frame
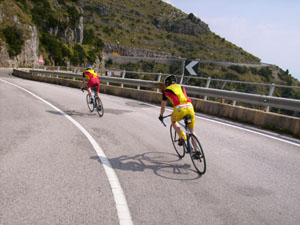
(187, 131)
(97, 103)
(95, 97)
(191, 146)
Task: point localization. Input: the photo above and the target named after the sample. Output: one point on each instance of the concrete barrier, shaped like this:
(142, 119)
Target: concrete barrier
(271, 121)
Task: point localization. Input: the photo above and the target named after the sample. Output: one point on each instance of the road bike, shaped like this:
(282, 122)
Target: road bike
(191, 145)
(96, 103)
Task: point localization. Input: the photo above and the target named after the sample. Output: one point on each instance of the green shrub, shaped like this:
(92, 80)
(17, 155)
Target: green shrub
(99, 44)
(56, 49)
(147, 66)
(265, 71)
(108, 30)
(88, 36)
(109, 62)
(40, 12)
(239, 69)
(91, 57)
(231, 76)
(74, 16)
(80, 53)
(14, 39)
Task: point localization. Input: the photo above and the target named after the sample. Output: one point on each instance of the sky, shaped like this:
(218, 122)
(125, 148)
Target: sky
(268, 29)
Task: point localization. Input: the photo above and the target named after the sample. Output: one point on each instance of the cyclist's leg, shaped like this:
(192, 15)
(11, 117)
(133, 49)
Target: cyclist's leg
(176, 127)
(191, 126)
(178, 115)
(97, 92)
(89, 88)
(89, 91)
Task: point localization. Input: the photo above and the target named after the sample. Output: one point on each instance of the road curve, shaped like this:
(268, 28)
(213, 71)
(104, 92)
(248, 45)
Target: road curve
(51, 174)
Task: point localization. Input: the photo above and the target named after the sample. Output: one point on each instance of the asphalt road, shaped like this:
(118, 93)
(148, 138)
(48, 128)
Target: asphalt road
(51, 174)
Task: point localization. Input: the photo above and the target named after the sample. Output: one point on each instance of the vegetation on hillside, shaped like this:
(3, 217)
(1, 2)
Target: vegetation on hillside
(150, 24)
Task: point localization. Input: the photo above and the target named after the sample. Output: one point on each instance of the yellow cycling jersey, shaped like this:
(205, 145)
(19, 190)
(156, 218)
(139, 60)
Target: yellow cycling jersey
(176, 94)
(89, 74)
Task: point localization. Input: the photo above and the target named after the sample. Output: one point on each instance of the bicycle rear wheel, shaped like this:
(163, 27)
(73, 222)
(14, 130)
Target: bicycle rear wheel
(199, 161)
(174, 137)
(100, 109)
(89, 104)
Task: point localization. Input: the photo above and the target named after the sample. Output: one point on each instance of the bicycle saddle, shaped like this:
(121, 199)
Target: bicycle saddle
(95, 87)
(187, 119)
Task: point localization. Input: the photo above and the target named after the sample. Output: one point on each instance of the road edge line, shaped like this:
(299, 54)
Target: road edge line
(119, 196)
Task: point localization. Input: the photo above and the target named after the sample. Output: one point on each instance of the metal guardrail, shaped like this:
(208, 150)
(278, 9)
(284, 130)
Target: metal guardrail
(73, 69)
(134, 82)
(262, 100)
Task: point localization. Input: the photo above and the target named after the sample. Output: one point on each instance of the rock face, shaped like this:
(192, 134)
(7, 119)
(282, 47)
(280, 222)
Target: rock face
(4, 57)
(29, 53)
(190, 25)
(134, 52)
(79, 31)
(27, 57)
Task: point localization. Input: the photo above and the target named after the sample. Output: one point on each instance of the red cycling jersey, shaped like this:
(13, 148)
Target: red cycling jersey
(93, 78)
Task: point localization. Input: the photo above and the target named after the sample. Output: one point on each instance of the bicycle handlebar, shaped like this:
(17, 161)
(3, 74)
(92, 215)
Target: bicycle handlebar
(163, 122)
(83, 89)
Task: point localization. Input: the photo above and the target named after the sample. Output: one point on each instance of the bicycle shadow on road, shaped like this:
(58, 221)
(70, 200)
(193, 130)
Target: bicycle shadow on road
(162, 164)
(89, 114)
(73, 113)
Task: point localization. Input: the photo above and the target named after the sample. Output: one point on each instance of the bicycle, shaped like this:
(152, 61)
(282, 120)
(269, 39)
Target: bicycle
(92, 105)
(191, 145)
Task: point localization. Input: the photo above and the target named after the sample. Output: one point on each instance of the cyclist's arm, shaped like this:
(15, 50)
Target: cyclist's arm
(163, 104)
(82, 83)
(163, 107)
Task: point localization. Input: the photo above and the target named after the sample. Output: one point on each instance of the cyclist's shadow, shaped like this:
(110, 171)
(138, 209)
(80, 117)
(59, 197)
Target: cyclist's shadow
(161, 163)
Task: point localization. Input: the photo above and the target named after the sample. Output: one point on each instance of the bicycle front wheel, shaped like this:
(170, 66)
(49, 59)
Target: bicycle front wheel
(198, 159)
(174, 137)
(89, 104)
(100, 109)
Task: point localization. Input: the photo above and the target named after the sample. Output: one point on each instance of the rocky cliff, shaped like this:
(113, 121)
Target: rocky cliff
(75, 32)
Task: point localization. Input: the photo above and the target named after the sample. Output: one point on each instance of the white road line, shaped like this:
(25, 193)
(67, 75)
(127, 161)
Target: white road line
(119, 197)
(234, 126)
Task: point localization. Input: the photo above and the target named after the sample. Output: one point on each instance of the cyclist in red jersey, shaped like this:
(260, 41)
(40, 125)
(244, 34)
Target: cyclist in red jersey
(93, 79)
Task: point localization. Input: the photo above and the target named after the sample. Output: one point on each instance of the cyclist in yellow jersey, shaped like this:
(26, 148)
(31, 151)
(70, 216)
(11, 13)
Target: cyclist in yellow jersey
(182, 106)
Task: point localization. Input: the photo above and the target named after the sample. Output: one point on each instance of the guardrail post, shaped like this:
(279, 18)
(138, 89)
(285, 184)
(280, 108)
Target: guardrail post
(207, 86)
(75, 69)
(123, 76)
(108, 73)
(223, 86)
(182, 71)
(58, 68)
(272, 87)
(158, 80)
